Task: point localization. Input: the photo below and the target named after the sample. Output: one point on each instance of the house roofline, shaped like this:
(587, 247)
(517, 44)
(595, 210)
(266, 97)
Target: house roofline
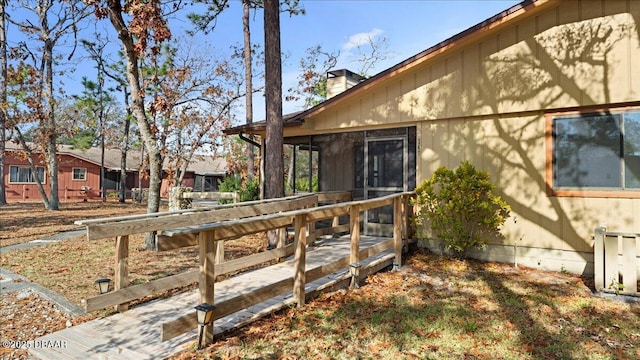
(456, 40)
(498, 20)
(68, 150)
(288, 120)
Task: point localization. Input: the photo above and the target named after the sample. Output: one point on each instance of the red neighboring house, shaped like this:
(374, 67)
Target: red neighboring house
(79, 174)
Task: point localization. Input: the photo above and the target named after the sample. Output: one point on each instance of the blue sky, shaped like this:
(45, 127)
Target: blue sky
(409, 27)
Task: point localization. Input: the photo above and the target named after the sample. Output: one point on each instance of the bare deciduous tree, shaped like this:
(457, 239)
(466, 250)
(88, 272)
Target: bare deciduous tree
(51, 23)
(3, 95)
(147, 29)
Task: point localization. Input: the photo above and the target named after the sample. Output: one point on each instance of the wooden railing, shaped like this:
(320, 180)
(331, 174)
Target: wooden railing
(225, 222)
(233, 196)
(181, 221)
(181, 198)
(299, 219)
(616, 261)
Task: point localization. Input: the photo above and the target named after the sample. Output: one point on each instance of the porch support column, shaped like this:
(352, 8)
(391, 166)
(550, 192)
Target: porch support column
(598, 258)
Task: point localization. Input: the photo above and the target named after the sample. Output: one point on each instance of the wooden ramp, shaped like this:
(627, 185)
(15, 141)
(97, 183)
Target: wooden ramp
(136, 334)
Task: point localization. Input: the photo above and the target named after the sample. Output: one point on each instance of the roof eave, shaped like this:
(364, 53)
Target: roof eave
(498, 20)
(261, 126)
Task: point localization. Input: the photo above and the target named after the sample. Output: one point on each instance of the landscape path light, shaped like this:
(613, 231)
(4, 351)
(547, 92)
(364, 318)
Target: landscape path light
(103, 285)
(354, 269)
(204, 316)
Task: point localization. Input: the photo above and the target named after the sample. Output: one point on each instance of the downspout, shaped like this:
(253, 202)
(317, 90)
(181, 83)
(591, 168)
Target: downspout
(249, 140)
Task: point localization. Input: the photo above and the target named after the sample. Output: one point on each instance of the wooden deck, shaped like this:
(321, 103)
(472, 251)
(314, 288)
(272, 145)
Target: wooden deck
(136, 334)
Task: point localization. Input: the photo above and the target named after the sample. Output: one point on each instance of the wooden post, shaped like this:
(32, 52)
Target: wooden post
(282, 237)
(406, 221)
(311, 227)
(282, 240)
(598, 258)
(611, 274)
(629, 271)
(354, 254)
(122, 267)
(336, 221)
(219, 252)
(397, 232)
(207, 275)
(299, 276)
(354, 227)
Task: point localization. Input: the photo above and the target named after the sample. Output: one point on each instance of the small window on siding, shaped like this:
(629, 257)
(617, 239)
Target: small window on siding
(597, 151)
(23, 174)
(79, 174)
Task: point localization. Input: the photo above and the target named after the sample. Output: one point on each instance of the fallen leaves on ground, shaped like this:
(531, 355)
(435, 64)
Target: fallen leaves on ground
(25, 316)
(438, 307)
(27, 221)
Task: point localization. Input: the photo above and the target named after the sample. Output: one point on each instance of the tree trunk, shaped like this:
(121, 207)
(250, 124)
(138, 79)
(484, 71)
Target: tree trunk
(3, 97)
(153, 202)
(249, 83)
(103, 187)
(49, 128)
(274, 167)
(291, 179)
(138, 111)
(273, 89)
(125, 149)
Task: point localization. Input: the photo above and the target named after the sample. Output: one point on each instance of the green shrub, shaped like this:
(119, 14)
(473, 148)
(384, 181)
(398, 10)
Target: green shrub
(460, 207)
(251, 190)
(302, 184)
(230, 183)
(248, 191)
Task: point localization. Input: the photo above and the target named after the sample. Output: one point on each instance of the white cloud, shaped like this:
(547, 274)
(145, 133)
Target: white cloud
(360, 39)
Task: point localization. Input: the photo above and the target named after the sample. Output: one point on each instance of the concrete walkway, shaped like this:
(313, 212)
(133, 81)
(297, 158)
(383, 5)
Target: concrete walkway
(47, 240)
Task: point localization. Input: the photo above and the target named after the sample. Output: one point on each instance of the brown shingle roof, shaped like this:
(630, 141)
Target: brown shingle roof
(201, 165)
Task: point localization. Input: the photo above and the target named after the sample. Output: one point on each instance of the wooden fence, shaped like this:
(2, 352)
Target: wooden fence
(616, 264)
(226, 222)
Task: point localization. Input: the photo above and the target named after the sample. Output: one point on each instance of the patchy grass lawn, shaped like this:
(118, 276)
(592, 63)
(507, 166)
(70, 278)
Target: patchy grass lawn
(441, 308)
(24, 222)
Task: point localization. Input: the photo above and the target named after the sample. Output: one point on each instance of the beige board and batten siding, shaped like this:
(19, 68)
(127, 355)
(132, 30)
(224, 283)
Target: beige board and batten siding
(537, 63)
(484, 97)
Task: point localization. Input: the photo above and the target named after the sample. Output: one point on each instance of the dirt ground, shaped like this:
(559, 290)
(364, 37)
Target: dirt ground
(24, 222)
(25, 316)
(70, 267)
